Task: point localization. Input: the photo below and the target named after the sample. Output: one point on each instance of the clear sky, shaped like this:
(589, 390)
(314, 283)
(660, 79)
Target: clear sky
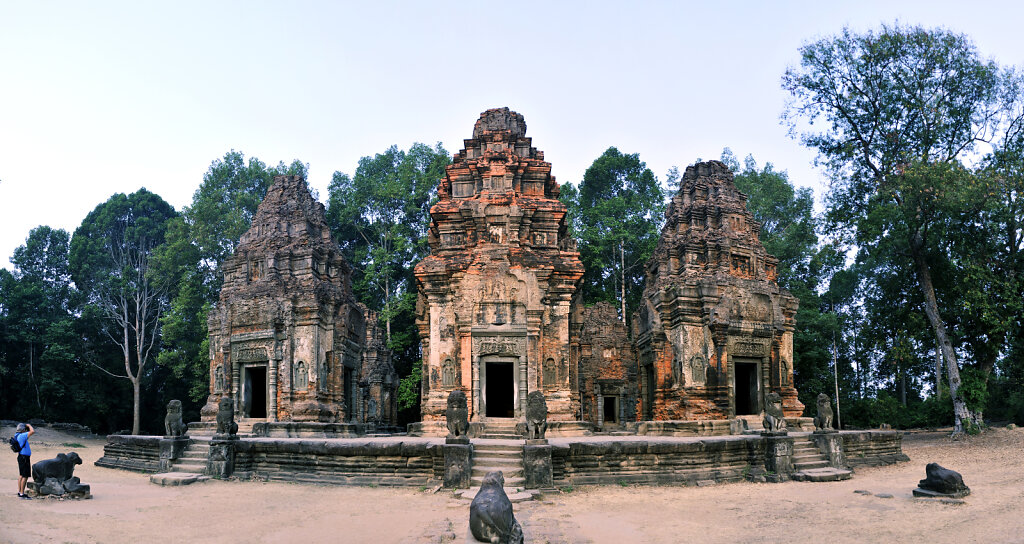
(104, 97)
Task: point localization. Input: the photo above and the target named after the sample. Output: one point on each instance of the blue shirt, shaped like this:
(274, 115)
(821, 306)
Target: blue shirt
(22, 439)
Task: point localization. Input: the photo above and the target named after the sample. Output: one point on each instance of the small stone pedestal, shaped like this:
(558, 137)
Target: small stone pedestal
(458, 462)
(171, 448)
(221, 463)
(831, 444)
(778, 456)
(537, 464)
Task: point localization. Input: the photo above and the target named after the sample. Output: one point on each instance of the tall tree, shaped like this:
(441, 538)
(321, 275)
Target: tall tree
(616, 213)
(110, 262)
(904, 106)
(380, 216)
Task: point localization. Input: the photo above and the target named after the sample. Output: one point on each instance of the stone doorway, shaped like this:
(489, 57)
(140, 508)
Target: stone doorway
(746, 388)
(500, 388)
(254, 392)
(611, 410)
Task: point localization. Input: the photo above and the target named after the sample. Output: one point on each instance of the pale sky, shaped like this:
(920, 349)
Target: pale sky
(104, 97)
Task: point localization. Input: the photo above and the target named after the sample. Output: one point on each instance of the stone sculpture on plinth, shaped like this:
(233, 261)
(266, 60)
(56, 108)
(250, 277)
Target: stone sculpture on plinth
(941, 482)
(458, 452)
(221, 462)
(173, 425)
(56, 477)
(774, 419)
(490, 514)
(536, 416)
(823, 421)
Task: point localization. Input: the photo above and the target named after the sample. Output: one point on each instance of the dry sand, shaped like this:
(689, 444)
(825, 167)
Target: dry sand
(126, 508)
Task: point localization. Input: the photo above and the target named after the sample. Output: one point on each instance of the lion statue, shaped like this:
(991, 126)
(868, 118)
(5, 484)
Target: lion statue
(226, 417)
(457, 414)
(490, 514)
(774, 419)
(536, 415)
(173, 425)
(823, 421)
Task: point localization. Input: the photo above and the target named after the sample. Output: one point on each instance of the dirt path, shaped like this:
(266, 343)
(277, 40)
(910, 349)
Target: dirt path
(127, 508)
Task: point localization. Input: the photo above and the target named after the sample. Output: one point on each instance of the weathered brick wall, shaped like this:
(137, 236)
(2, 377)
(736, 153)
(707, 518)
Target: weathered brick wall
(873, 448)
(131, 452)
(411, 463)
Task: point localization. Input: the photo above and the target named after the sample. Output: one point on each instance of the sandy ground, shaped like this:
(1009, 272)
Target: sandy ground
(126, 508)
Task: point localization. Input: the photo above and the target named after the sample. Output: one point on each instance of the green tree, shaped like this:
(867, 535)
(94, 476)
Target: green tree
(380, 217)
(616, 214)
(110, 262)
(903, 107)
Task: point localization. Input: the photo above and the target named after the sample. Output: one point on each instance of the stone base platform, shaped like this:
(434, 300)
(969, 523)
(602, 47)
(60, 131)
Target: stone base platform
(168, 479)
(928, 493)
(822, 475)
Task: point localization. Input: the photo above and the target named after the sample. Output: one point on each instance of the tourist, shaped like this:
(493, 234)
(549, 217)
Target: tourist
(24, 457)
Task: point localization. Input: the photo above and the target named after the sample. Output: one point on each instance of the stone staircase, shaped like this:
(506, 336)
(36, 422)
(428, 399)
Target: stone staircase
(501, 429)
(810, 465)
(505, 455)
(189, 468)
(193, 459)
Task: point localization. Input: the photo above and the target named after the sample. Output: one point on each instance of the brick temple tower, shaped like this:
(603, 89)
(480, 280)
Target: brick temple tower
(714, 331)
(288, 341)
(498, 290)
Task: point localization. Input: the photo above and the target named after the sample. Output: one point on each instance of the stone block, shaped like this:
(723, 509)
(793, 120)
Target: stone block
(221, 462)
(537, 466)
(170, 450)
(778, 458)
(458, 465)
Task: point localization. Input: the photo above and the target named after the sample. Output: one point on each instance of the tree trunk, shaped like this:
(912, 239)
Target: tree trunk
(938, 368)
(135, 405)
(32, 374)
(931, 309)
(622, 278)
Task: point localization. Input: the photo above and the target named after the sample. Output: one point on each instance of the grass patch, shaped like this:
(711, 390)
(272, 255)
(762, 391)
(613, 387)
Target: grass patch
(73, 445)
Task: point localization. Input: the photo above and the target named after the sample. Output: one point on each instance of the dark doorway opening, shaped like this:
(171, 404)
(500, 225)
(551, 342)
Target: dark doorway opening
(649, 393)
(255, 402)
(611, 410)
(746, 389)
(500, 389)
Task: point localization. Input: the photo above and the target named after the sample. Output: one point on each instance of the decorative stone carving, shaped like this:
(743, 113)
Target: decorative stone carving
(448, 374)
(173, 425)
(941, 482)
(457, 415)
(287, 316)
(536, 416)
(608, 368)
(490, 514)
(823, 421)
(57, 476)
(710, 297)
(226, 425)
(774, 418)
(499, 285)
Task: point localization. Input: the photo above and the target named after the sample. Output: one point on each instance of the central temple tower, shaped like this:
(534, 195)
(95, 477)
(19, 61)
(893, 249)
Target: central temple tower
(499, 290)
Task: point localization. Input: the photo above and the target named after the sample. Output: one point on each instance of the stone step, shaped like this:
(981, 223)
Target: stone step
(514, 494)
(497, 447)
(808, 456)
(188, 467)
(177, 478)
(492, 460)
(514, 482)
(827, 474)
(506, 470)
(810, 465)
(496, 436)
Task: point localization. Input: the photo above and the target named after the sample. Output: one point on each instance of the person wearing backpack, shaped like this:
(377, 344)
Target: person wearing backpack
(24, 457)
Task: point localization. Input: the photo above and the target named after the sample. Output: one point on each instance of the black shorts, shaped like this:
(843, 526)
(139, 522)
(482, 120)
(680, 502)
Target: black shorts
(24, 465)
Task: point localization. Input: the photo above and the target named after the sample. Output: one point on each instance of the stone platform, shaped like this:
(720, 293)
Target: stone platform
(586, 460)
(170, 479)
